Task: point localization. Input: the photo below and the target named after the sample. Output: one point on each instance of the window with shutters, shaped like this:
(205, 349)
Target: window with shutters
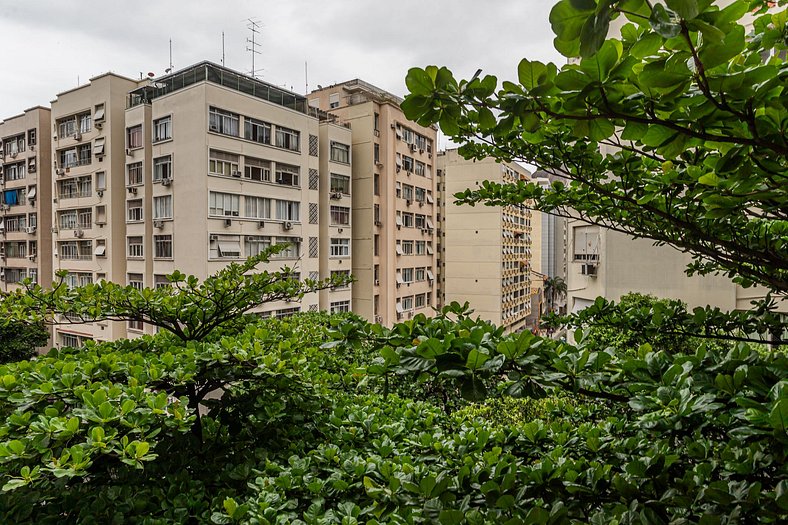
(313, 247)
(313, 213)
(313, 146)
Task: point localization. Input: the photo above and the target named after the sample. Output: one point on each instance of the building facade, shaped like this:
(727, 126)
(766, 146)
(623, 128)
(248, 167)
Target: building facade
(394, 212)
(26, 208)
(487, 256)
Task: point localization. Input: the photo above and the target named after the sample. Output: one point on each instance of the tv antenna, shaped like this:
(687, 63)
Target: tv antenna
(254, 28)
(169, 69)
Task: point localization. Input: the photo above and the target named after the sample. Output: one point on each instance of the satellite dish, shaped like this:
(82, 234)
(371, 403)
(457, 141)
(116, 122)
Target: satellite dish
(151, 75)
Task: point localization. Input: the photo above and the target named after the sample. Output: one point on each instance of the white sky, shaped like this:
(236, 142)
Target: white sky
(51, 45)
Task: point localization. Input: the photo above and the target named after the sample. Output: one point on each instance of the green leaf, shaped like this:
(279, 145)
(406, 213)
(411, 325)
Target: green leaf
(418, 82)
(451, 517)
(486, 119)
(686, 9)
(476, 359)
(778, 416)
(473, 389)
(529, 72)
(662, 22)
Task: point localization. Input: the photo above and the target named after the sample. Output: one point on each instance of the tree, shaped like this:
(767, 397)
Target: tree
(188, 308)
(555, 289)
(674, 131)
(19, 340)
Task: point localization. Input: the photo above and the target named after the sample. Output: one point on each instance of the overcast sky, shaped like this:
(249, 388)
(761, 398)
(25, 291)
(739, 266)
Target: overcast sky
(51, 45)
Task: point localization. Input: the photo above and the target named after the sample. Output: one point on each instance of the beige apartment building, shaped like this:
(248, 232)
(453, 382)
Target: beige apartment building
(190, 172)
(26, 208)
(486, 251)
(393, 202)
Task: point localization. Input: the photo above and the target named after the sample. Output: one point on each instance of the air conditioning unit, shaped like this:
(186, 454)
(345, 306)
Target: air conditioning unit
(32, 147)
(5, 207)
(379, 164)
(213, 237)
(132, 190)
(378, 319)
(158, 224)
(261, 224)
(377, 282)
(336, 195)
(408, 202)
(31, 229)
(376, 132)
(228, 223)
(393, 126)
(421, 204)
(99, 124)
(60, 171)
(412, 147)
(54, 229)
(100, 193)
(32, 257)
(588, 269)
(2, 276)
(429, 155)
(213, 127)
(236, 173)
(166, 181)
(378, 223)
(287, 225)
(128, 151)
(421, 150)
(14, 154)
(77, 136)
(79, 234)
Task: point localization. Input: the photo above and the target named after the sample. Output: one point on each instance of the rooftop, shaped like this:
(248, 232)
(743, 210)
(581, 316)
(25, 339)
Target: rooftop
(222, 76)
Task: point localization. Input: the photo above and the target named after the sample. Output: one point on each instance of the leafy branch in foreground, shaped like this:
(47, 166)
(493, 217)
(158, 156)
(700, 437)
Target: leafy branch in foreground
(674, 131)
(189, 308)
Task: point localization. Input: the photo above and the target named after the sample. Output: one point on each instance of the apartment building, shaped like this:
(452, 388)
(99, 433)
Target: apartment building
(88, 157)
(394, 212)
(26, 190)
(220, 166)
(486, 251)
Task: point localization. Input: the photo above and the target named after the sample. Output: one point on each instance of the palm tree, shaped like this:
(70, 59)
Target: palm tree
(555, 288)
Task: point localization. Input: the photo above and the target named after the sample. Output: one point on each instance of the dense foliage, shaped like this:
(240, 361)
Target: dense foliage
(20, 339)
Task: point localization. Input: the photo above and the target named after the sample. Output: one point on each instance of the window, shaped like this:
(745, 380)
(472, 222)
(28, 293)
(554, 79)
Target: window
(407, 220)
(286, 312)
(161, 281)
(288, 138)
(67, 126)
(134, 210)
(420, 221)
(376, 122)
(376, 153)
(14, 197)
(162, 128)
(420, 194)
(420, 274)
(224, 247)
(340, 152)
(407, 275)
(85, 218)
(162, 168)
(257, 208)
(162, 246)
(407, 303)
(407, 192)
(162, 207)
(31, 137)
(407, 163)
(85, 122)
(407, 247)
(254, 244)
(343, 274)
(134, 174)
(68, 158)
(376, 184)
(340, 183)
(408, 135)
(135, 281)
(221, 163)
(376, 213)
(333, 101)
(223, 204)
(340, 306)
(293, 249)
(76, 250)
(83, 154)
(420, 300)
(257, 169)
(257, 130)
(223, 122)
(101, 248)
(98, 147)
(421, 248)
(287, 175)
(14, 171)
(135, 246)
(399, 190)
(376, 245)
(101, 180)
(137, 326)
(420, 168)
(586, 246)
(98, 115)
(134, 137)
(340, 215)
(287, 210)
(340, 247)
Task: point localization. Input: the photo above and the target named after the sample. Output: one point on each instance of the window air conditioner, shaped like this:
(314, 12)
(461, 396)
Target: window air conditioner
(236, 173)
(261, 224)
(77, 136)
(336, 195)
(79, 234)
(166, 181)
(588, 269)
(228, 223)
(287, 225)
(158, 224)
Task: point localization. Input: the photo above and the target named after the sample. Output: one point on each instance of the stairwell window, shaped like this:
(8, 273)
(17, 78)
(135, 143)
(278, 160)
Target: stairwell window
(135, 247)
(162, 129)
(134, 210)
(288, 138)
(224, 122)
(340, 152)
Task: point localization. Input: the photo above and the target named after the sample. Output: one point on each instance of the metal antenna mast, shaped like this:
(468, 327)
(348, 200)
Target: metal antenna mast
(254, 27)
